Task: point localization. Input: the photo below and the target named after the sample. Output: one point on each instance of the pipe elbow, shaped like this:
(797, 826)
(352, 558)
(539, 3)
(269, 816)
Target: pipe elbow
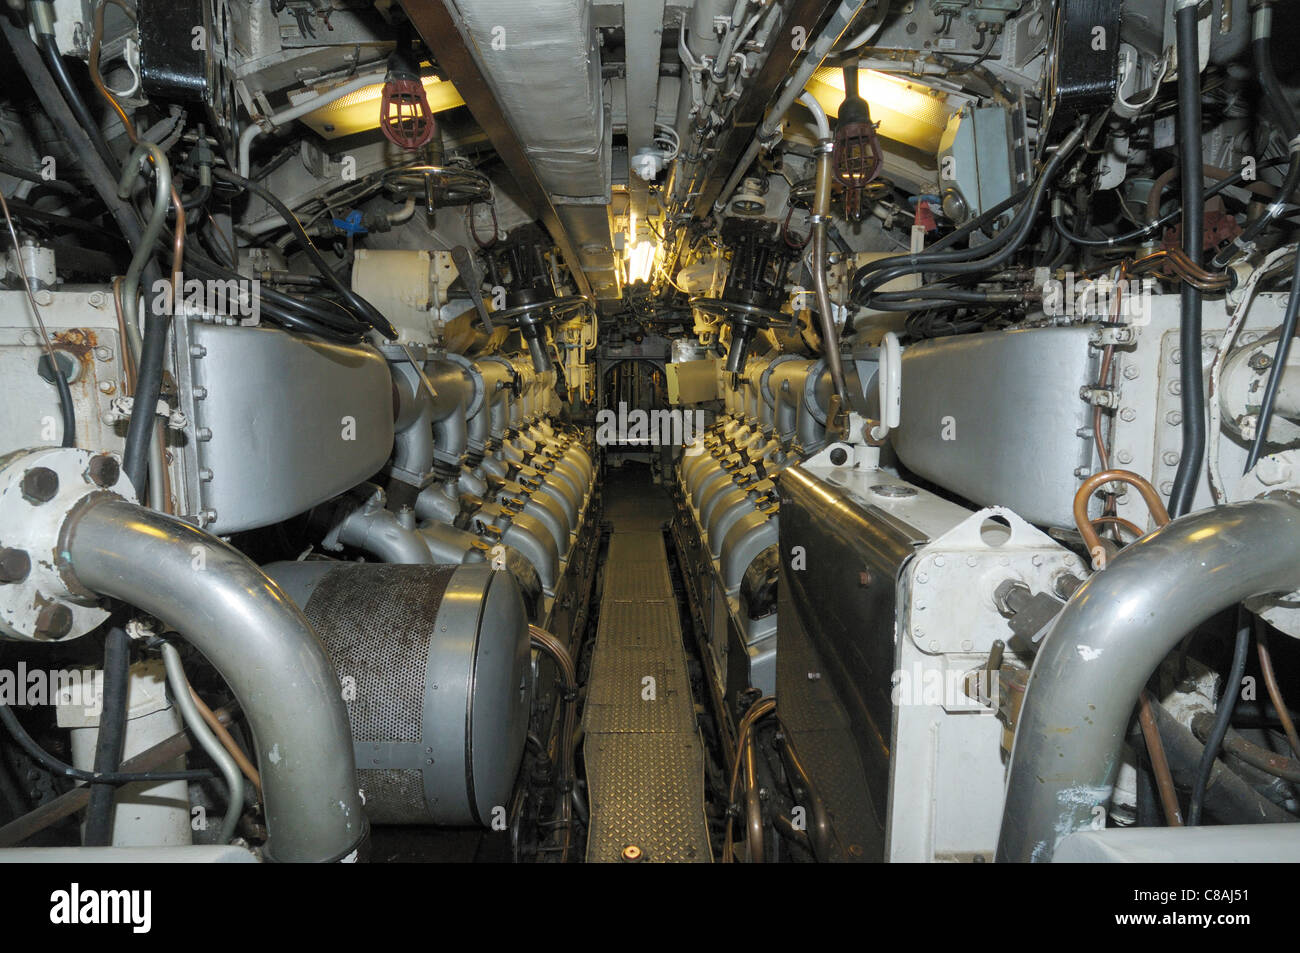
(1108, 640)
(260, 643)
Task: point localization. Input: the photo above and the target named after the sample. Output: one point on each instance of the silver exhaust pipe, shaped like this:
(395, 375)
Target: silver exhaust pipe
(261, 644)
(1106, 643)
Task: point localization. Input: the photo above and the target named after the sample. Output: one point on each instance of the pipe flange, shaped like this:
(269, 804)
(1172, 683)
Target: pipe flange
(810, 391)
(40, 489)
(475, 378)
(765, 379)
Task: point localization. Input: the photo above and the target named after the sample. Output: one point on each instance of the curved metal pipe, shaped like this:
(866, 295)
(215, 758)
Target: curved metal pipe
(263, 647)
(754, 845)
(438, 503)
(1106, 642)
(451, 438)
(379, 532)
(821, 219)
(447, 543)
(413, 426)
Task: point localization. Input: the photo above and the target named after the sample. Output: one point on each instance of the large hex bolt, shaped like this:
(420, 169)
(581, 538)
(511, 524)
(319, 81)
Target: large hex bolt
(40, 484)
(54, 622)
(14, 565)
(104, 470)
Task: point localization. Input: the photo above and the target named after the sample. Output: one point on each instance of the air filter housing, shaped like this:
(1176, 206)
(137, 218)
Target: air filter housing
(433, 663)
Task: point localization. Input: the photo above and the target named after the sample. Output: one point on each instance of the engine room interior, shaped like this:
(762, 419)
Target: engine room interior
(621, 431)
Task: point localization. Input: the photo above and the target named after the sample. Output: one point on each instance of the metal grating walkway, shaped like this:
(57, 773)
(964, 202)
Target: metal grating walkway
(645, 761)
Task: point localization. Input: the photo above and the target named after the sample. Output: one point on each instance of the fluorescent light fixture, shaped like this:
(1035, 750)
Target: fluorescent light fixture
(640, 261)
(359, 111)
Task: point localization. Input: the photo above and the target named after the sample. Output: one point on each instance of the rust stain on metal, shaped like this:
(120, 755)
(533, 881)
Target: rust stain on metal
(79, 342)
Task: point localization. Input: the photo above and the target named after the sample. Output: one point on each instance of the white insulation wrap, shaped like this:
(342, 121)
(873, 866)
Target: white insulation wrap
(541, 58)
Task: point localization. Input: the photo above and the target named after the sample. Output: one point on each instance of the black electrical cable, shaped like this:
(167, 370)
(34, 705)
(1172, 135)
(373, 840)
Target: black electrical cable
(197, 199)
(311, 314)
(1222, 716)
(920, 304)
(66, 408)
(65, 770)
(1191, 373)
(1274, 95)
(50, 50)
(1246, 240)
(27, 175)
(355, 302)
(135, 456)
(1271, 388)
(936, 251)
(110, 741)
(276, 161)
(1147, 231)
(42, 25)
(1007, 242)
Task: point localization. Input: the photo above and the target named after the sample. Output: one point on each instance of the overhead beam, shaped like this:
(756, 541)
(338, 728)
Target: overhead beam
(643, 27)
(440, 32)
(781, 52)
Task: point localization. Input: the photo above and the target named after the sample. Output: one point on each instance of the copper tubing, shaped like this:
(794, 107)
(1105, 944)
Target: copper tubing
(760, 709)
(128, 355)
(1274, 689)
(227, 742)
(96, 44)
(753, 805)
(1270, 762)
(1090, 486)
(1122, 523)
(1155, 748)
(1184, 268)
(1103, 378)
(550, 645)
(1211, 172)
(1159, 762)
(820, 836)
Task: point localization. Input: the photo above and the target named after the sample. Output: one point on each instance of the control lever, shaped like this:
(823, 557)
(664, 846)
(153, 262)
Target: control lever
(464, 263)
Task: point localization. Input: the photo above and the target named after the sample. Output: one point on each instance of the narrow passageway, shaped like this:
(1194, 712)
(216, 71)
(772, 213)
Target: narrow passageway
(645, 761)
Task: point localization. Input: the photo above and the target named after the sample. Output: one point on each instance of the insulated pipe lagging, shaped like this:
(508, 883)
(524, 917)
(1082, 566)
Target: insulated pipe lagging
(260, 643)
(1108, 640)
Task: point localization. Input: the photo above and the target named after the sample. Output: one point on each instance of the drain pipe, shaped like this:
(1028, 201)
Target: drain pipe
(1108, 640)
(821, 219)
(259, 642)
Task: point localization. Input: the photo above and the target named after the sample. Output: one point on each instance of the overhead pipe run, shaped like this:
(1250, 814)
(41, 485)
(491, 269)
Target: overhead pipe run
(794, 89)
(1108, 640)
